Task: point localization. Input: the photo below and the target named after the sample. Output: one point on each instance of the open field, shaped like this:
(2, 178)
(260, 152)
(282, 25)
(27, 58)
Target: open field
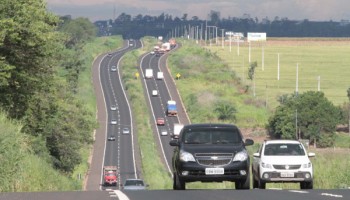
(323, 63)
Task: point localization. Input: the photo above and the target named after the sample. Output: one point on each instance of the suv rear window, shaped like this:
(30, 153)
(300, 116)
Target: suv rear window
(211, 136)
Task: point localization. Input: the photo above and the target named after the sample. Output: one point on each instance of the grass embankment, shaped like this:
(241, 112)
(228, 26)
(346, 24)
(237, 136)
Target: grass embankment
(326, 58)
(208, 76)
(20, 169)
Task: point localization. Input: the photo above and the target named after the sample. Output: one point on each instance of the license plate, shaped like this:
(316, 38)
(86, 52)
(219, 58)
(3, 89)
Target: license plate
(287, 175)
(214, 171)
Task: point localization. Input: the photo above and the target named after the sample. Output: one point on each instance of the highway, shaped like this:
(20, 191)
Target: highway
(158, 103)
(121, 152)
(110, 92)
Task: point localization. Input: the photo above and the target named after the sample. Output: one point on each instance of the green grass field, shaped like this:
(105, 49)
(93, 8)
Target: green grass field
(326, 58)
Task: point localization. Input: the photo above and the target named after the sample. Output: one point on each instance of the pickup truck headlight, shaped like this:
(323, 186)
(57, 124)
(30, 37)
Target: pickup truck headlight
(241, 156)
(186, 157)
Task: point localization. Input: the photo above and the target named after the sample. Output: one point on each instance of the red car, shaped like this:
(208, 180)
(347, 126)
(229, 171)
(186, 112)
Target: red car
(160, 121)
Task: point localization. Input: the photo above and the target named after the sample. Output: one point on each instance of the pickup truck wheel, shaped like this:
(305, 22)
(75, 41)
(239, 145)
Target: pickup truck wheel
(178, 184)
(243, 184)
(306, 185)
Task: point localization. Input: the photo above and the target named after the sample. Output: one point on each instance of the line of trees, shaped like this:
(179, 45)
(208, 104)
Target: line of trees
(40, 63)
(142, 25)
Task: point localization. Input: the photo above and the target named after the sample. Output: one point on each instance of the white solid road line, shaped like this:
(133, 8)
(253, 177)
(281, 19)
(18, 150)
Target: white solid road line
(121, 195)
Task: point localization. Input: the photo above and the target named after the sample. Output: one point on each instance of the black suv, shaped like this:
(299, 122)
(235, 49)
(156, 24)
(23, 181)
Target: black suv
(211, 153)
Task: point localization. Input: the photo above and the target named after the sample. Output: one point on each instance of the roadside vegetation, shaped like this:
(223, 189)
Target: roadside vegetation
(204, 75)
(46, 118)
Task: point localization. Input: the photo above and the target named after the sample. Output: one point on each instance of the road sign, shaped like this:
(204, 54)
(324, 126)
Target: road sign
(178, 76)
(137, 75)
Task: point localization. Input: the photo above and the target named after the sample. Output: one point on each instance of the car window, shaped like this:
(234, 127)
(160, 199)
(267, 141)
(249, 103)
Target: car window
(284, 150)
(211, 137)
(134, 182)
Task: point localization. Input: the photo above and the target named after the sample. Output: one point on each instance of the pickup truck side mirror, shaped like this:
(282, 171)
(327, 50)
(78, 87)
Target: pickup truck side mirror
(174, 143)
(248, 142)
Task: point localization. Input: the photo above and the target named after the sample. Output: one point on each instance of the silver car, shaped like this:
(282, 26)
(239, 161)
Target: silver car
(134, 184)
(126, 130)
(113, 68)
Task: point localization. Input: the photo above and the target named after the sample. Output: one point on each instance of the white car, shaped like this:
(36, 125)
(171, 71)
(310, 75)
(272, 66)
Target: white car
(126, 130)
(113, 121)
(154, 93)
(113, 68)
(113, 107)
(282, 161)
(163, 132)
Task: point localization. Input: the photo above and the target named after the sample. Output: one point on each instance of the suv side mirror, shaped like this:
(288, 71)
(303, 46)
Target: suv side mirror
(248, 142)
(174, 143)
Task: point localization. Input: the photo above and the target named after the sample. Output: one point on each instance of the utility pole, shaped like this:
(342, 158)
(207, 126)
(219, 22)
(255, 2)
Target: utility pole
(297, 81)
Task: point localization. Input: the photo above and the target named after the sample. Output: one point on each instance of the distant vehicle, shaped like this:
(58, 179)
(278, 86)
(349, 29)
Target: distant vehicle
(152, 52)
(154, 93)
(172, 42)
(210, 153)
(113, 68)
(134, 184)
(177, 129)
(160, 121)
(111, 138)
(149, 73)
(110, 174)
(113, 107)
(126, 130)
(163, 132)
(166, 46)
(131, 44)
(171, 109)
(160, 75)
(282, 161)
(109, 54)
(113, 121)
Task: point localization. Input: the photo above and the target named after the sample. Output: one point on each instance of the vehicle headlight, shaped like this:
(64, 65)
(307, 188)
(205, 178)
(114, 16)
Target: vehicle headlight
(186, 157)
(241, 156)
(308, 165)
(266, 165)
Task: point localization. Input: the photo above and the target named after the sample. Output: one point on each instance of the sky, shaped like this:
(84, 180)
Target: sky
(313, 10)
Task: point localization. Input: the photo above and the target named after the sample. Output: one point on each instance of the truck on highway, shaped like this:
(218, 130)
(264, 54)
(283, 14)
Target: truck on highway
(149, 73)
(172, 42)
(177, 129)
(166, 46)
(160, 75)
(110, 175)
(171, 109)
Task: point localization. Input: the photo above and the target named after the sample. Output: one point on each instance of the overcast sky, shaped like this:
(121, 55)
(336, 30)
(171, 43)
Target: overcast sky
(315, 10)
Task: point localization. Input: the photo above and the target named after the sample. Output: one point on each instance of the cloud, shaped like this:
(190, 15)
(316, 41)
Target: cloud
(320, 10)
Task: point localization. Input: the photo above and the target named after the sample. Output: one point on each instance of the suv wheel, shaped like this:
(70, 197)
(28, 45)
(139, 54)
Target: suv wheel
(178, 184)
(243, 184)
(306, 185)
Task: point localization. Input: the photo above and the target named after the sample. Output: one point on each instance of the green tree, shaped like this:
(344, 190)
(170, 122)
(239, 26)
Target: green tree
(251, 70)
(313, 114)
(27, 42)
(225, 111)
